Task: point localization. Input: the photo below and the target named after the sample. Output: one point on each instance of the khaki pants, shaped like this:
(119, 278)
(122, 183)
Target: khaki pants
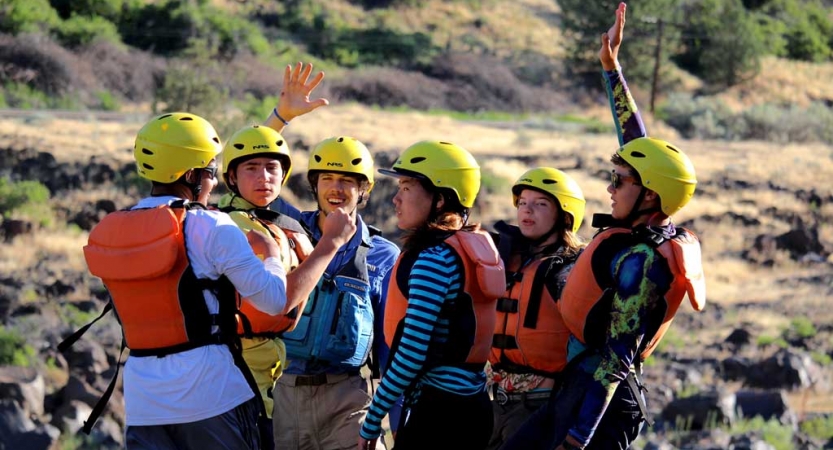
(319, 413)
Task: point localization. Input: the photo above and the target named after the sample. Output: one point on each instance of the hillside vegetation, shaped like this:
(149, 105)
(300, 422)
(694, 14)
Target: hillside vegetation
(501, 78)
(731, 70)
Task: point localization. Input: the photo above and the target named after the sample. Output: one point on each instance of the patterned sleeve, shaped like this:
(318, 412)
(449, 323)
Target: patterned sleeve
(641, 277)
(629, 125)
(435, 275)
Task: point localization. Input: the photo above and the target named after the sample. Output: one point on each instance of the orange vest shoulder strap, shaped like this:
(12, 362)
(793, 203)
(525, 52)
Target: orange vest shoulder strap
(477, 249)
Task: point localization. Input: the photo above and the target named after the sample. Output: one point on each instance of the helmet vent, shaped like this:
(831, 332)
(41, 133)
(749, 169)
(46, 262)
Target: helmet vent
(239, 146)
(672, 149)
(186, 118)
(356, 161)
(279, 143)
(549, 181)
(446, 143)
(147, 152)
(147, 166)
(216, 139)
(637, 154)
(164, 117)
(341, 139)
(317, 158)
(418, 159)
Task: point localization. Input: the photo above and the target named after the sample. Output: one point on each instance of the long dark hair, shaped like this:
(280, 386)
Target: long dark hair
(451, 217)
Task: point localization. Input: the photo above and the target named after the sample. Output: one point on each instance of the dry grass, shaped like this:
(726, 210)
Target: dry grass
(62, 248)
(783, 82)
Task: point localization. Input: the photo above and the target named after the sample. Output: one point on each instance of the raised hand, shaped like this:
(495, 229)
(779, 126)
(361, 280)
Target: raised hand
(297, 87)
(609, 51)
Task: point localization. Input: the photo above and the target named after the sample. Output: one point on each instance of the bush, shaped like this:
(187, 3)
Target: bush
(167, 27)
(15, 196)
(81, 30)
(818, 427)
(709, 118)
(388, 87)
(14, 351)
(194, 84)
(129, 73)
(26, 199)
(107, 9)
(27, 16)
(38, 62)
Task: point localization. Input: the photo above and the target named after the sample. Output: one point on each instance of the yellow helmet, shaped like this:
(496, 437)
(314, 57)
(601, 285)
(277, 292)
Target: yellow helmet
(663, 169)
(254, 141)
(171, 144)
(342, 154)
(444, 165)
(558, 184)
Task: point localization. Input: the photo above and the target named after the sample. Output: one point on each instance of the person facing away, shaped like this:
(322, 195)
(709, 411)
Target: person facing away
(440, 314)
(322, 397)
(256, 163)
(171, 267)
(529, 348)
(625, 288)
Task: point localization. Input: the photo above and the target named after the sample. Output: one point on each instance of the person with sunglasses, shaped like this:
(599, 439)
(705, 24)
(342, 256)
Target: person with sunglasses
(170, 265)
(625, 288)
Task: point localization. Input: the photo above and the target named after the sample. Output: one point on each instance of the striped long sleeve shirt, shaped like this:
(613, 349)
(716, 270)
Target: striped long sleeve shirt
(435, 283)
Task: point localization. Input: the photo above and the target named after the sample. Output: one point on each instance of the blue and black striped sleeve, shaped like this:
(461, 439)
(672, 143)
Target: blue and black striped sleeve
(435, 277)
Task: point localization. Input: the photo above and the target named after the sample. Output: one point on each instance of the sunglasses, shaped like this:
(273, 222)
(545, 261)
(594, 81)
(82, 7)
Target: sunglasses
(211, 171)
(616, 179)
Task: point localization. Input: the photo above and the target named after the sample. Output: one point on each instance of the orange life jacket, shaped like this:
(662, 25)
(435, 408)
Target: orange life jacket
(485, 281)
(295, 247)
(530, 335)
(584, 290)
(140, 256)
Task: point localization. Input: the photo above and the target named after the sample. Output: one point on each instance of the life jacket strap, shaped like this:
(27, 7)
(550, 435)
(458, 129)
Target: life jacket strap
(73, 338)
(102, 402)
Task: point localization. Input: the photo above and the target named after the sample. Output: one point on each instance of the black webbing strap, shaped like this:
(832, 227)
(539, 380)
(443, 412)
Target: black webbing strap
(102, 402)
(73, 338)
(549, 266)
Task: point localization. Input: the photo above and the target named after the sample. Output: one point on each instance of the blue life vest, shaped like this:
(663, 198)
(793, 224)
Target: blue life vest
(336, 325)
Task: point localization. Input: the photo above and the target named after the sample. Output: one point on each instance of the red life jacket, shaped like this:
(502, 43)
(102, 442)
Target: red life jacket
(140, 256)
(295, 247)
(530, 335)
(584, 291)
(485, 279)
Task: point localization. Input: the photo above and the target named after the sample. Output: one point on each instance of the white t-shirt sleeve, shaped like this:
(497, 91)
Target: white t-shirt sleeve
(262, 283)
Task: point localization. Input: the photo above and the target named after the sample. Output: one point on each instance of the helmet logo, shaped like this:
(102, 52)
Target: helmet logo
(260, 147)
(335, 164)
(528, 180)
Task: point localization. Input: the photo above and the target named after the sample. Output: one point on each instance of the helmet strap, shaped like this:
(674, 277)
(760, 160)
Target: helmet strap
(637, 213)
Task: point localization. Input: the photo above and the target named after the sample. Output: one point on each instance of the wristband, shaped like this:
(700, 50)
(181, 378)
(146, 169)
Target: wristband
(275, 112)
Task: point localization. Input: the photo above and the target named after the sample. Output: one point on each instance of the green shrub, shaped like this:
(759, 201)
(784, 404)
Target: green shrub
(78, 31)
(773, 432)
(818, 427)
(107, 101)
(20, 195)
(802, 327)
(14, 350)
(193, 84)
(108, 9)
(167, 27)
(25, 16)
